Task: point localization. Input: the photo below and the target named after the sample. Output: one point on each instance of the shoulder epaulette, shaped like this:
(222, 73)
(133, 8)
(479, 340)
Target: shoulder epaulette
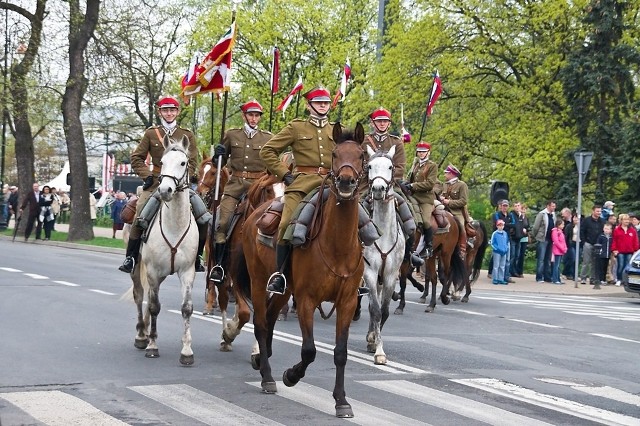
(152, 127)
(394, 137)
(266, 131)
(184, 128)
(299, 119)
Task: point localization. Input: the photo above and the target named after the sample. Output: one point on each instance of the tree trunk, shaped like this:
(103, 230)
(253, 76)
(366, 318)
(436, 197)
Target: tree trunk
(81, 30)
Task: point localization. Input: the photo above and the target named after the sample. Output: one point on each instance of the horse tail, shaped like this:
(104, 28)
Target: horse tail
(477, 262)
(458, 269)
(127, 296)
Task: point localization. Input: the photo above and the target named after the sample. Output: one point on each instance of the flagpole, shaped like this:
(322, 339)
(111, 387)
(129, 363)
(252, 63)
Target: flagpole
(432, 94)
(297, 103)
(226, 92)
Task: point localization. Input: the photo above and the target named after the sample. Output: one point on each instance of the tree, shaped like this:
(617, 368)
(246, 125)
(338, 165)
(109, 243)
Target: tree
(81, 29)
(16, 112)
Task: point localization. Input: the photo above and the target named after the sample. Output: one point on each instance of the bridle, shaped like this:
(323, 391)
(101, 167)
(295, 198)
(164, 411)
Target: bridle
(388, 182)
(335, 174)
(182, 182)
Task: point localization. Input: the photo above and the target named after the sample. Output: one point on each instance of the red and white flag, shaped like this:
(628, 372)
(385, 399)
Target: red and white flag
(275, 71)
(342, 91)
(286, 101)
(190, 83)
(436, 91)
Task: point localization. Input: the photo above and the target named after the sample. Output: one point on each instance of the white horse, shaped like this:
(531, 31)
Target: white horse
(383, 258)
(171, 248)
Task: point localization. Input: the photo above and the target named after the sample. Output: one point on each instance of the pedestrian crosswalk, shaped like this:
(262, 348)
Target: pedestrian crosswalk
(410, 401)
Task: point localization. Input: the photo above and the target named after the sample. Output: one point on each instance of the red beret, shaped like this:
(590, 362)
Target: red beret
(168, 102)
(423, 146)
(318, 94)
(251, 106)
(380, 114)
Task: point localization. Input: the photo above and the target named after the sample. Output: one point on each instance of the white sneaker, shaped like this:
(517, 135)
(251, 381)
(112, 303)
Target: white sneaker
(618, 283)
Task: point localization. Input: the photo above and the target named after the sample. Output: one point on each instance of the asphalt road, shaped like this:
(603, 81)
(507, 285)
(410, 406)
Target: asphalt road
(507, 357)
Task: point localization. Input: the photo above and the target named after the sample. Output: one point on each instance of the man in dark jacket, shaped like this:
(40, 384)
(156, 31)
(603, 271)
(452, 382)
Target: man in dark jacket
(590, 231)
(13, 202)
(32, 201)
(517, 230)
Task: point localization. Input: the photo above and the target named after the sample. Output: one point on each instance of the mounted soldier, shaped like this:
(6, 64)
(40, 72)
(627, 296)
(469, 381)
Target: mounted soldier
(311, 142)
(454, 196)
(240, 150)
(151, 145)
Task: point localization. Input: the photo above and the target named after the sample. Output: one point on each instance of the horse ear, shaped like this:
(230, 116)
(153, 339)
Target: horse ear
(185, 142)
(370, 151)
(337, 132)
(391, 152)
(166, 141)
(358, 135)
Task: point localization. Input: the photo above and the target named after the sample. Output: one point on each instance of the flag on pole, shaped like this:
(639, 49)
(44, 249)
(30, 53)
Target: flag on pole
(286, 101)
(436, 91)
(190, 79)
(346, 75)
(275, 71)
(406, 137)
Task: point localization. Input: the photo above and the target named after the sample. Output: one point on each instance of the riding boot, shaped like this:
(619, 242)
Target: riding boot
(427, 250)
(362, 289)
(133, 248)
(217, 273)
(416, 262)
(277, 281)
(199, 266)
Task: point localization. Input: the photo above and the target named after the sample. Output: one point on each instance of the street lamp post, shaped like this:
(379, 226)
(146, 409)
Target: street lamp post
(3, 217)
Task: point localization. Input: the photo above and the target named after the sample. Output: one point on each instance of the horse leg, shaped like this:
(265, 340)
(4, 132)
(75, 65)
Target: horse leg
(375, 313)
(282, 316)
(232, 330)
(356, 314)
(467, 286)
(403, 286)
(154, 309)
(210, 297)
(142, 336)
(186, 355)
(433, 278)
(292, 376)
(446, 283)
(343, 408)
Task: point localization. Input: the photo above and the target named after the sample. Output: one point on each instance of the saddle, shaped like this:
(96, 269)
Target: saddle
(269, 220)
(128, 213)
(440, 217)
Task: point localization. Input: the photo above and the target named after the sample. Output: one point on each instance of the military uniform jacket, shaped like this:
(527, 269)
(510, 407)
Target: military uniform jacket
(150, 144)
(384, 142)
(311, 143)
(423, 179)
(457, 193)
(243, 152)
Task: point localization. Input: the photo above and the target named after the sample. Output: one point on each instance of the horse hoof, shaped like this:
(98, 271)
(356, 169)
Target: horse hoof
(380, 360)
(269, 387)
(445, 300)
(186, 359)
(430, 309)
(422, 300)
(225, 346)
(356, 315)
(398, 311)
(344, 411)
(455, 298)
(285, 379)
(255, 361)
(207, 311)
(395, 296)
(152, 353)
(141, 344)
(464, 300)
(282, 317)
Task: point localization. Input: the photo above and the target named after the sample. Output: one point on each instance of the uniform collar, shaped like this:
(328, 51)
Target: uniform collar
(249, 131)
(380, 137)
(452, 180)
(169, 128)
(318, 121)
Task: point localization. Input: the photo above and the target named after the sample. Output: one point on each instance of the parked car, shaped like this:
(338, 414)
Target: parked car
(631, 275)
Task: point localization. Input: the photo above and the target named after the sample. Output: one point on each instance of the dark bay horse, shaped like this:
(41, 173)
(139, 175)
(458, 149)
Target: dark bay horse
(207, 176)
(452, 268)
(473, 262)
(335, 257)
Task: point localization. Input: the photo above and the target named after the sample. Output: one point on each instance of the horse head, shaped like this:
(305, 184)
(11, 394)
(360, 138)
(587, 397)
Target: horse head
(174, 175)
(206, 176)
(347, 161)
(380, 169)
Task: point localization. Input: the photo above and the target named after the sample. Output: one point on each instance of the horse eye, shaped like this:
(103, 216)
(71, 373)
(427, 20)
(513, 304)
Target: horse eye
(183, 163)
(390, 167)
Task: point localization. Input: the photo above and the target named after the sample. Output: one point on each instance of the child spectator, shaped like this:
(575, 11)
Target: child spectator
(500, 247)
(559, 249)
(602, 252)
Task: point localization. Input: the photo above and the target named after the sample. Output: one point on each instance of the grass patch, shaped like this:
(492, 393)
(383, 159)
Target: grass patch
(62, 237)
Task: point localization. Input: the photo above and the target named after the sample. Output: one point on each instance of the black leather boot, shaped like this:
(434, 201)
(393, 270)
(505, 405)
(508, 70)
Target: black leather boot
(217, 273)
(199, 265)
(277, 281)
(133, 248)
(427, 250)
(416, 262)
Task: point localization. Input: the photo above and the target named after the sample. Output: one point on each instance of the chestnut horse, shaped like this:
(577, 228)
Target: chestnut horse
(334, 254)
(207, 173)
(473, 262)
(452, 268)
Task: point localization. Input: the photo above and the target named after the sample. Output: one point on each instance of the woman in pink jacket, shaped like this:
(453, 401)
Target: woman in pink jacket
(625, 243)
(558, 249)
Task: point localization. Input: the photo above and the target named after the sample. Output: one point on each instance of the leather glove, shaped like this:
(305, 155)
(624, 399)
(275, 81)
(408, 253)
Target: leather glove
(220, 151)
(288, 178)
(147, 183)
(406, 187)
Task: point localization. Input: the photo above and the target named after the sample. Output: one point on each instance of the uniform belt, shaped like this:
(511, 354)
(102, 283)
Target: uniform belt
(323, 171)
(248, 175)
(157, 169)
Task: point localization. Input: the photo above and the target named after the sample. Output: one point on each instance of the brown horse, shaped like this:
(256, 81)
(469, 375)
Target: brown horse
(207, 173)
(473, 262)
(334, 254)
(259, 192)
(452, 268)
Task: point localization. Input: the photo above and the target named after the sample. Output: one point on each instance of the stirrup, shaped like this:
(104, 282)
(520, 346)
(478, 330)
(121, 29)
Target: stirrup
(363, 291)
(271, 287)
(128, 265)
(416, 261)
(426, 253)
(217, 274)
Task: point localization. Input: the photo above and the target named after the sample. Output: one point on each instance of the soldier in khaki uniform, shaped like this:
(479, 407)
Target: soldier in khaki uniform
(380, 139)
(454, 196)
(422, 178)
(311, 142)
(240, 149)
(151, 144)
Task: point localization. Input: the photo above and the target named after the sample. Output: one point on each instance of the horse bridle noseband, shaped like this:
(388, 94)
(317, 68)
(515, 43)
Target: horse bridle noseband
(182, 182)
(335, 173)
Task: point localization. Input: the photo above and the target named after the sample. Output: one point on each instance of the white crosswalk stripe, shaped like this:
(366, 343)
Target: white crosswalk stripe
(56, 407)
